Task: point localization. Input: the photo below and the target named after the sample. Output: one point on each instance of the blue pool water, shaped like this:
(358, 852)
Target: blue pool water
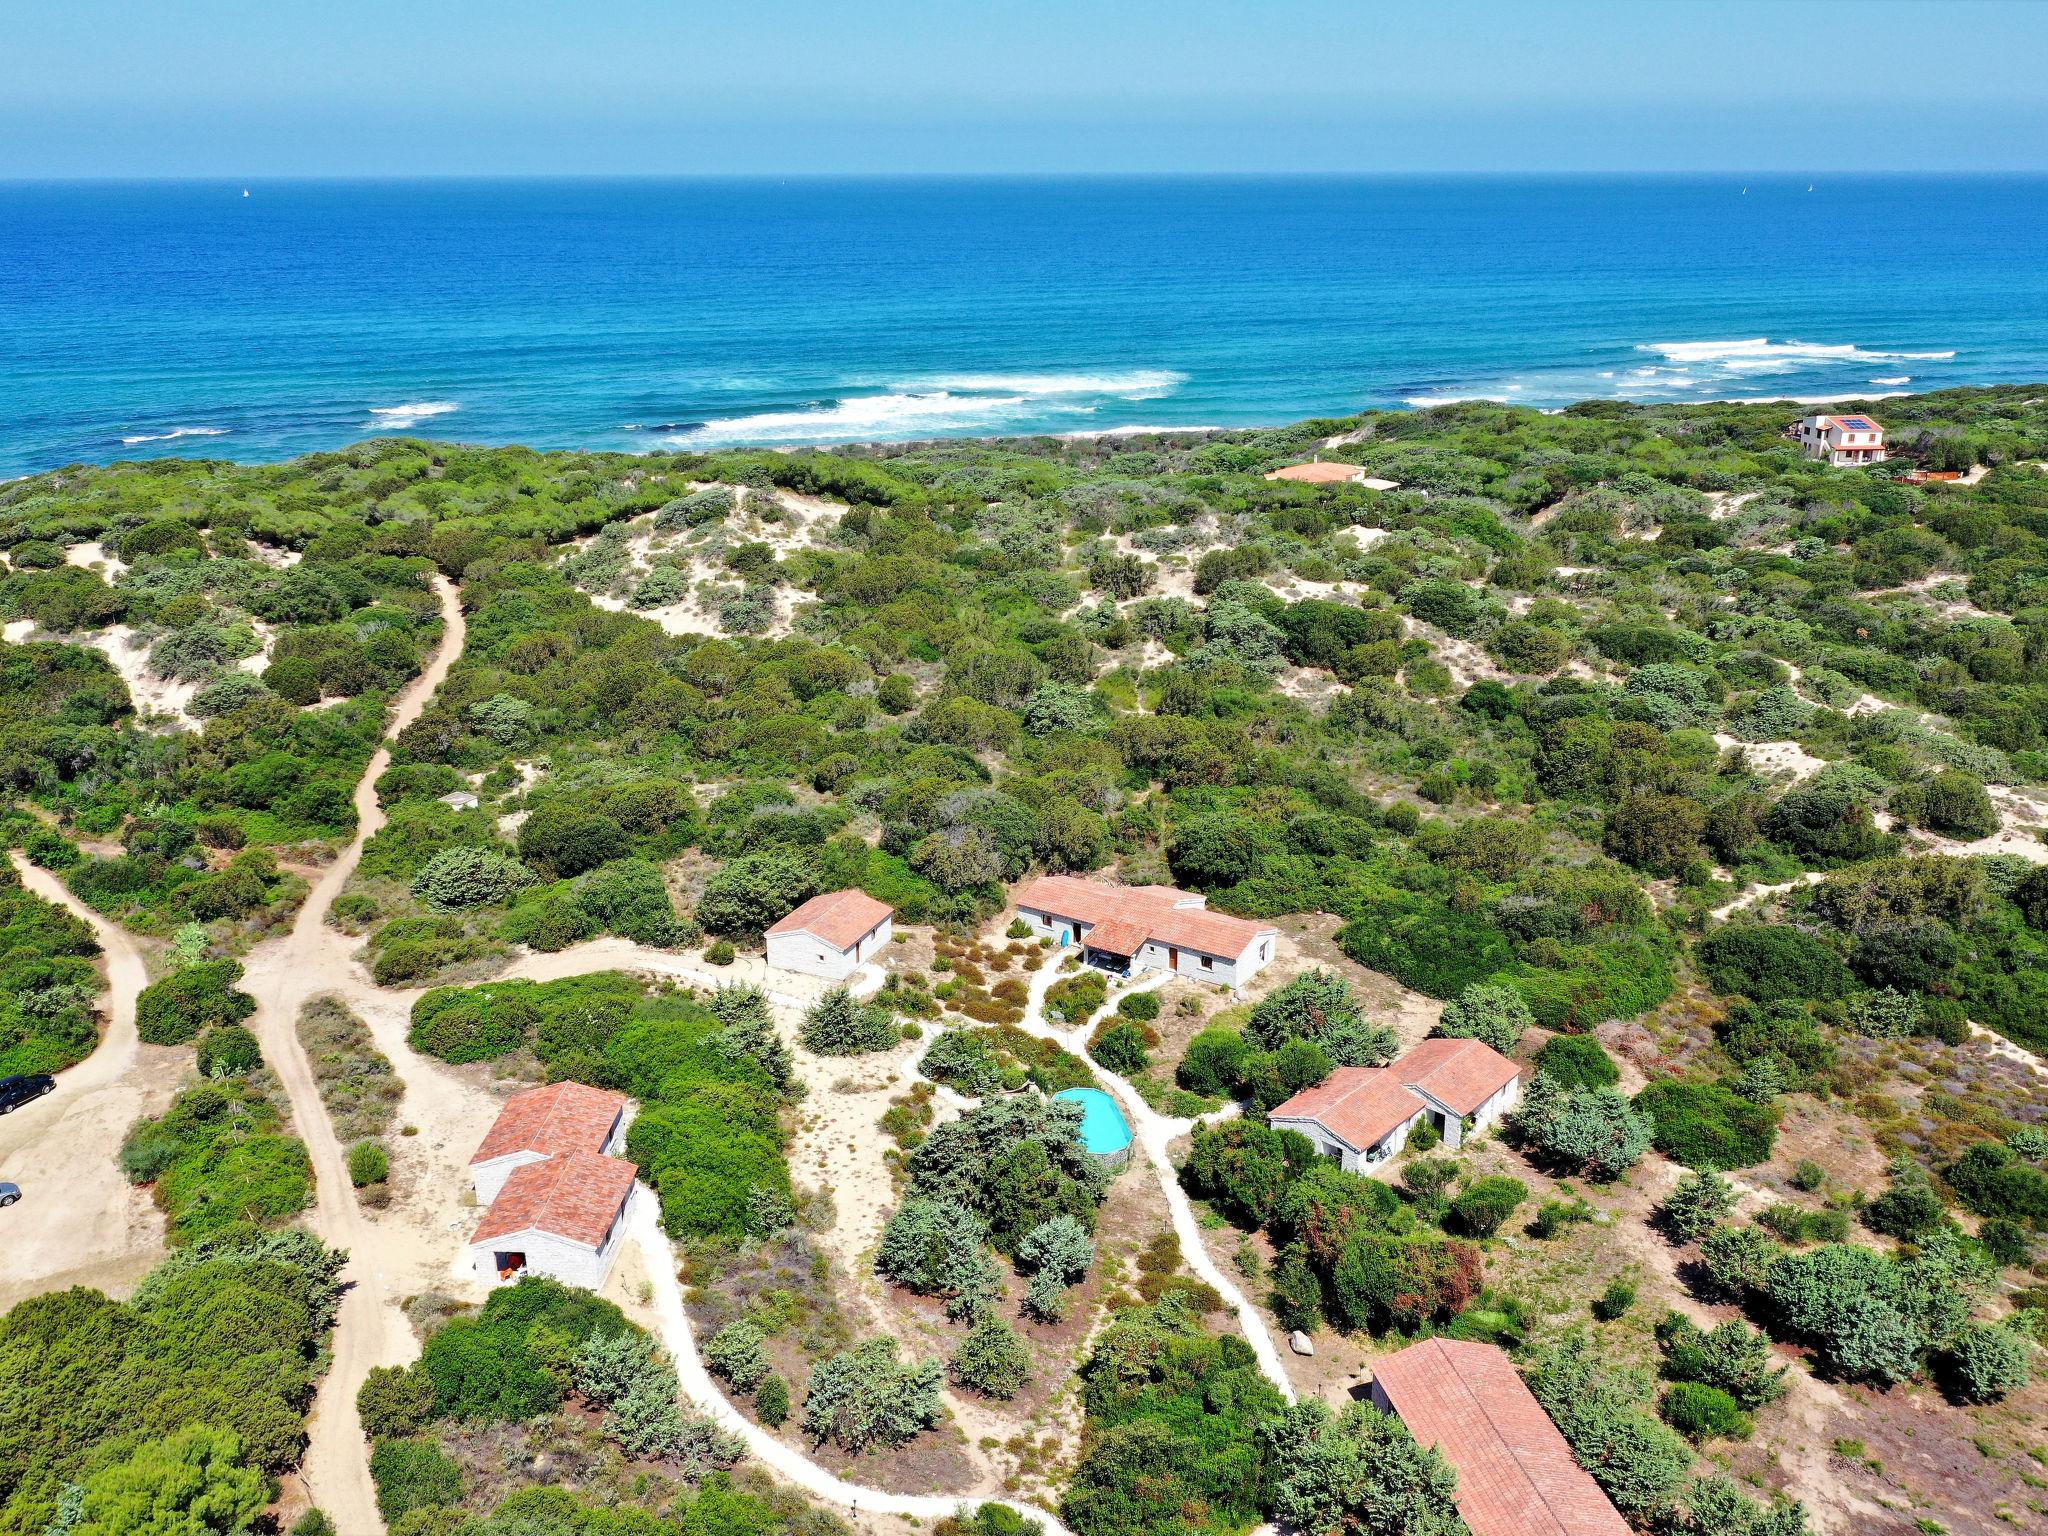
(142, 319)
(1104, 1131)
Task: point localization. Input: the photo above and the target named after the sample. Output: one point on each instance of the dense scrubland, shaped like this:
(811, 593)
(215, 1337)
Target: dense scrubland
(1706, 779)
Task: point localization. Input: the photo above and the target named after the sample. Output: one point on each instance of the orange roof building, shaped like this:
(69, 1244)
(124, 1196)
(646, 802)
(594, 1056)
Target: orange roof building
(542, 1123)
(1129, 928)
(831, 935)
(1361, 1116)
(1516, 1474)
(556, 1199)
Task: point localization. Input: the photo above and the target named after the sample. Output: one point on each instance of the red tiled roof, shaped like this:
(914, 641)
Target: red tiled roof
(1167, 915)
(1516, 1475)
(1362, 1105)
(562, 1117)
(1322, 472)
(1462, 1074)
(841, 918)
(1117, 936)
(575, 1195)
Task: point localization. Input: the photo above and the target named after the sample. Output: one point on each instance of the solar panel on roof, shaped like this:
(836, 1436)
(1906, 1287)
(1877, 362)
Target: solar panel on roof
(1857, 423)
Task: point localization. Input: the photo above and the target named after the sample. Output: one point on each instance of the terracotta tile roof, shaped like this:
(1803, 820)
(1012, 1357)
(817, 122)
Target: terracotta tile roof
(562, 1117)
(1117, 936)
(841, 918)
(1360, 1105)
(1516, 1475)
(1462, 1074)
(576, 1195)
(1322, 472)
(1167, 915)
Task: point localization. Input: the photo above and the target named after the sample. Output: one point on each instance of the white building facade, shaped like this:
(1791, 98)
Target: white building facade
(831, 936)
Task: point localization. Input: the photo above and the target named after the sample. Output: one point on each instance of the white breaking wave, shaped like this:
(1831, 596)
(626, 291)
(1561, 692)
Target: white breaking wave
(1903, 378)
(390, 418)
(838, 420)
(174, 433)
(1138, 384)
(1426, 401)
(1758, 354)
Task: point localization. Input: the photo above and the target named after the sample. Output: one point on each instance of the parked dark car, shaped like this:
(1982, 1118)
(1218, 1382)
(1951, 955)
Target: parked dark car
(17, 1091)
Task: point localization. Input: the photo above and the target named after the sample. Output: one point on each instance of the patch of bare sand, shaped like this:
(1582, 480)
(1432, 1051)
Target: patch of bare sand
(79, 1220)
(1774, 759)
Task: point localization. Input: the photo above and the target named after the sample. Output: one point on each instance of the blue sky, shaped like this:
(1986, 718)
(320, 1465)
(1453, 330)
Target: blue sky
(251, 88)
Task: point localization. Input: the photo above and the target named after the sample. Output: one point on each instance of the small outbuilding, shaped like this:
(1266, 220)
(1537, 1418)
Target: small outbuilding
(1361, 1116)
(541, 1123)
(831, 935)
(562, 1218)
(1516, 1474)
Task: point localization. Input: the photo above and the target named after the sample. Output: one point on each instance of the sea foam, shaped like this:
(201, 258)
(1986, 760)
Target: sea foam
(390, 418)
(1758, 354)
(174, 434)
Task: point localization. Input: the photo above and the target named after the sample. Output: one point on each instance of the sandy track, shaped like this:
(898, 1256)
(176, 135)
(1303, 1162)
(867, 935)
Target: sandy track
(282, 974)
(79, 1220)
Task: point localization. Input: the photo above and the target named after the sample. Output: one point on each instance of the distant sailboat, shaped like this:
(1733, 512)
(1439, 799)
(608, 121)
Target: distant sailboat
(245, 191)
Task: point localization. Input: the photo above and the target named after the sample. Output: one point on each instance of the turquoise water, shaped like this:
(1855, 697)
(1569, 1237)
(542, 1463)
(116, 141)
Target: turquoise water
(148, 319)
(1104, 1131)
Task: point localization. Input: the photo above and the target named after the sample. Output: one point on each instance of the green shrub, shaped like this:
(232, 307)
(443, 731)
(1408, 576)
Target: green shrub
(839, 1025)
(1484, 1205)
(394, 1401)
(228, 1050)
(1701, 1412)
(1495, 1015)
(1213, 1062)
(1075, 998)
(1120, 1046)
(1577, 1061)
(1141, 1006)
(1614, 1301)
(991, 1360)
(174, 1011)
(1985, 1363)
(737, 1355)
(720, 952)
(1705, 1125)
(368, 1163)
(1771, 963)
(1991, 1181)
(1700, 1202)
(413, 1473)
(771, 1402)
(867, 1396)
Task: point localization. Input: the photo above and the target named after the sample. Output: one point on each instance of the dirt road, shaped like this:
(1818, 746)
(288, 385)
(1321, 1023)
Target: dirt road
(282, 974)
(79, 1221)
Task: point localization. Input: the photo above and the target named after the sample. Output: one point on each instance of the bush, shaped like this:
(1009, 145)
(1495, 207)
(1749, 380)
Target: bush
(1700, 1202)
(1705, 1125)
(1985, 1363)
(1120, 1046)
(938, 1248)
(1484, 1205)
(1060, 1247)
(1245, 1167)
(1614, 1301)
(456, 879)
(368, 1163)
(1318, 1006)
(1701, 1412)
(736, 1354)
(228, 1050)
(1592, 1130)
(1771, 963)
(394, 1401)
(1494, 1015)
(1638, 1462)
(173, 1011)
(867, 1396)
(838, 1025)
(1991, 1181)
(771, 1402)
(1731, 1356)
(720, 952)
(754, 890)
(1075, 998)
(991, 1360)
(1141, 1006)
(1213, 1062)
(1577, 1061)
(413, 1473)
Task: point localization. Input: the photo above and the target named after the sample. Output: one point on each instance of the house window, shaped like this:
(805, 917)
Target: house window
(1208, 964)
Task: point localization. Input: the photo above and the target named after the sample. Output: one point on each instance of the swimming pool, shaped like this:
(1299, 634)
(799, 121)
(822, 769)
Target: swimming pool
(1104, 1131)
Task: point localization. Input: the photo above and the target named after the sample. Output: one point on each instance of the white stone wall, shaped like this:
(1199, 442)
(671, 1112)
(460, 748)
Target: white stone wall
(808, 955)
(555, 1257)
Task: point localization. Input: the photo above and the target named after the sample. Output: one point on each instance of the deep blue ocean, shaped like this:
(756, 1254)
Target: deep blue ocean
(141, 319)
